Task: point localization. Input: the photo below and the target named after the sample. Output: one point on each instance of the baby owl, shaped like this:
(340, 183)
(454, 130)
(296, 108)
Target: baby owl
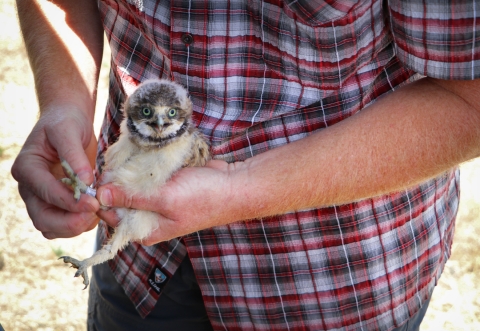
(156, 139)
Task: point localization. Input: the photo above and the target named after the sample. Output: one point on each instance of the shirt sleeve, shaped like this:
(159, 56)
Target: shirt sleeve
(439, 39)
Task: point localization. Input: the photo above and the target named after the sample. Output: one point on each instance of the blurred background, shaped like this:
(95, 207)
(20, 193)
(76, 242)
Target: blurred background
(38, 292)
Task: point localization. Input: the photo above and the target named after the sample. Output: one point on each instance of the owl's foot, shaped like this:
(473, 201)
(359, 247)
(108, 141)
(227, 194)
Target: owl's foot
(80, 265)
(74, 182)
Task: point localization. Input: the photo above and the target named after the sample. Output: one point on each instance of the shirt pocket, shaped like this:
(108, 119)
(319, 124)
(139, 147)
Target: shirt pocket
(314, 13)
(326, 47)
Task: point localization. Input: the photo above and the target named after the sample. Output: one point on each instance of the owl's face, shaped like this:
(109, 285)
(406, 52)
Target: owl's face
(158, 111)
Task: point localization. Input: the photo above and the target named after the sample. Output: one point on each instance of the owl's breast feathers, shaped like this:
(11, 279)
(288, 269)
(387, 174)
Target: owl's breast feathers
(140, 171)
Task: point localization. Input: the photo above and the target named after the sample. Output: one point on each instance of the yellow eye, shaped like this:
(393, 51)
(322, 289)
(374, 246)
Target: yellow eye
(172, 112)
(146, 112)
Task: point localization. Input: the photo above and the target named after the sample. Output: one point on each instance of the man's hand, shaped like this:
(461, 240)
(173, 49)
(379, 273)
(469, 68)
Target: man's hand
(415, 133)
(64, 41)
(50, 204)
(192, 200)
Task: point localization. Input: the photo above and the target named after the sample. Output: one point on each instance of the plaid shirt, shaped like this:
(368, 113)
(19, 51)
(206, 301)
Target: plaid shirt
(264, 74)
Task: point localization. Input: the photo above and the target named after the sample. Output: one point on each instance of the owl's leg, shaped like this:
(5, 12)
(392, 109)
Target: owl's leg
(118, 241)
(75, 182)
(104, 254)
(134, 226)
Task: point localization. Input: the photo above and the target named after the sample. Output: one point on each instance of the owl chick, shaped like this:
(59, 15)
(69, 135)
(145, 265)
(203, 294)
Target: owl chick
(156, 139)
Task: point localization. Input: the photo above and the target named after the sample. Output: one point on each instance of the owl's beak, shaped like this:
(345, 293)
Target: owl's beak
(160, 121)
(161, 124)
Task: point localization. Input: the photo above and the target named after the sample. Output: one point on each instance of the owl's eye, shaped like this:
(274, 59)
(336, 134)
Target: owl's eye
(172, 112)
(146, 112)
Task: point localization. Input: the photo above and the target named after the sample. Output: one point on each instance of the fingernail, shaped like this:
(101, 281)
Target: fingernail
(106, 198)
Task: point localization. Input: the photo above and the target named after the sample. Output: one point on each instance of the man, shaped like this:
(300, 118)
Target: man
(288, 93)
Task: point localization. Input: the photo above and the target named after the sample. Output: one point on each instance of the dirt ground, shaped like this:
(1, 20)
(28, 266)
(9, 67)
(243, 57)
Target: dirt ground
(38, 292)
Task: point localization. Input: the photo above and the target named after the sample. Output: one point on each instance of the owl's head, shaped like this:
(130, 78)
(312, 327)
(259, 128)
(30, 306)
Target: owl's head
(157, 112)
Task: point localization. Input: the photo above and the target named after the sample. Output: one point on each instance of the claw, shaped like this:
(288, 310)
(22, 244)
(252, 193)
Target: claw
(77, 265)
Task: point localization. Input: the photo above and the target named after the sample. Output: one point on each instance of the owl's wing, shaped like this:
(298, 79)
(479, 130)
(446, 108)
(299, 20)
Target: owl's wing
(200, 152)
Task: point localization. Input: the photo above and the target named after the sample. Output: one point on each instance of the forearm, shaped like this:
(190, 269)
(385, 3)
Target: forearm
(64, 42)
(406, 137)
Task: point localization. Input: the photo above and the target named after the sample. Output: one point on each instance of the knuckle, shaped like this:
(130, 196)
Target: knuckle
(69, 153)
(128, 201)
(43, 194)
(15, 171)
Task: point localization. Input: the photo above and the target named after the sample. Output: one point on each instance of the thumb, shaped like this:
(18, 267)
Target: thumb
(110, 195)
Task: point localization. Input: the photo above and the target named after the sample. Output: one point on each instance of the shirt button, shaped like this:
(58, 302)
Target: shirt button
(187, 38)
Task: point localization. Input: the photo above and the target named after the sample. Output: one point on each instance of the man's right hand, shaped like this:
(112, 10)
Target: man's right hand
(64, 42)
(64, 133)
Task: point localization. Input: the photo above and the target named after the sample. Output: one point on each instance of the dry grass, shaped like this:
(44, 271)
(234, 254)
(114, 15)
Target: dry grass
(37, 292)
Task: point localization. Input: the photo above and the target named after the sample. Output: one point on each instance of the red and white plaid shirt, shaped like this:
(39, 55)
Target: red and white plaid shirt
(262, 74)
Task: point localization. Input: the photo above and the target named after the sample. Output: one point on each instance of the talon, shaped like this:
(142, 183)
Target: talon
(77, 265)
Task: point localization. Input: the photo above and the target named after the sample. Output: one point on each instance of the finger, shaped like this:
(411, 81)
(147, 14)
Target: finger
(70, 143)
(37, 180)
(110, 195)
(109, 216)
(32, 169)
(54, 222)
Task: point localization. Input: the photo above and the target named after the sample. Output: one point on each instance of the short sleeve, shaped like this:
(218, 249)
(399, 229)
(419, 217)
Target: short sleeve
(439, 39)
